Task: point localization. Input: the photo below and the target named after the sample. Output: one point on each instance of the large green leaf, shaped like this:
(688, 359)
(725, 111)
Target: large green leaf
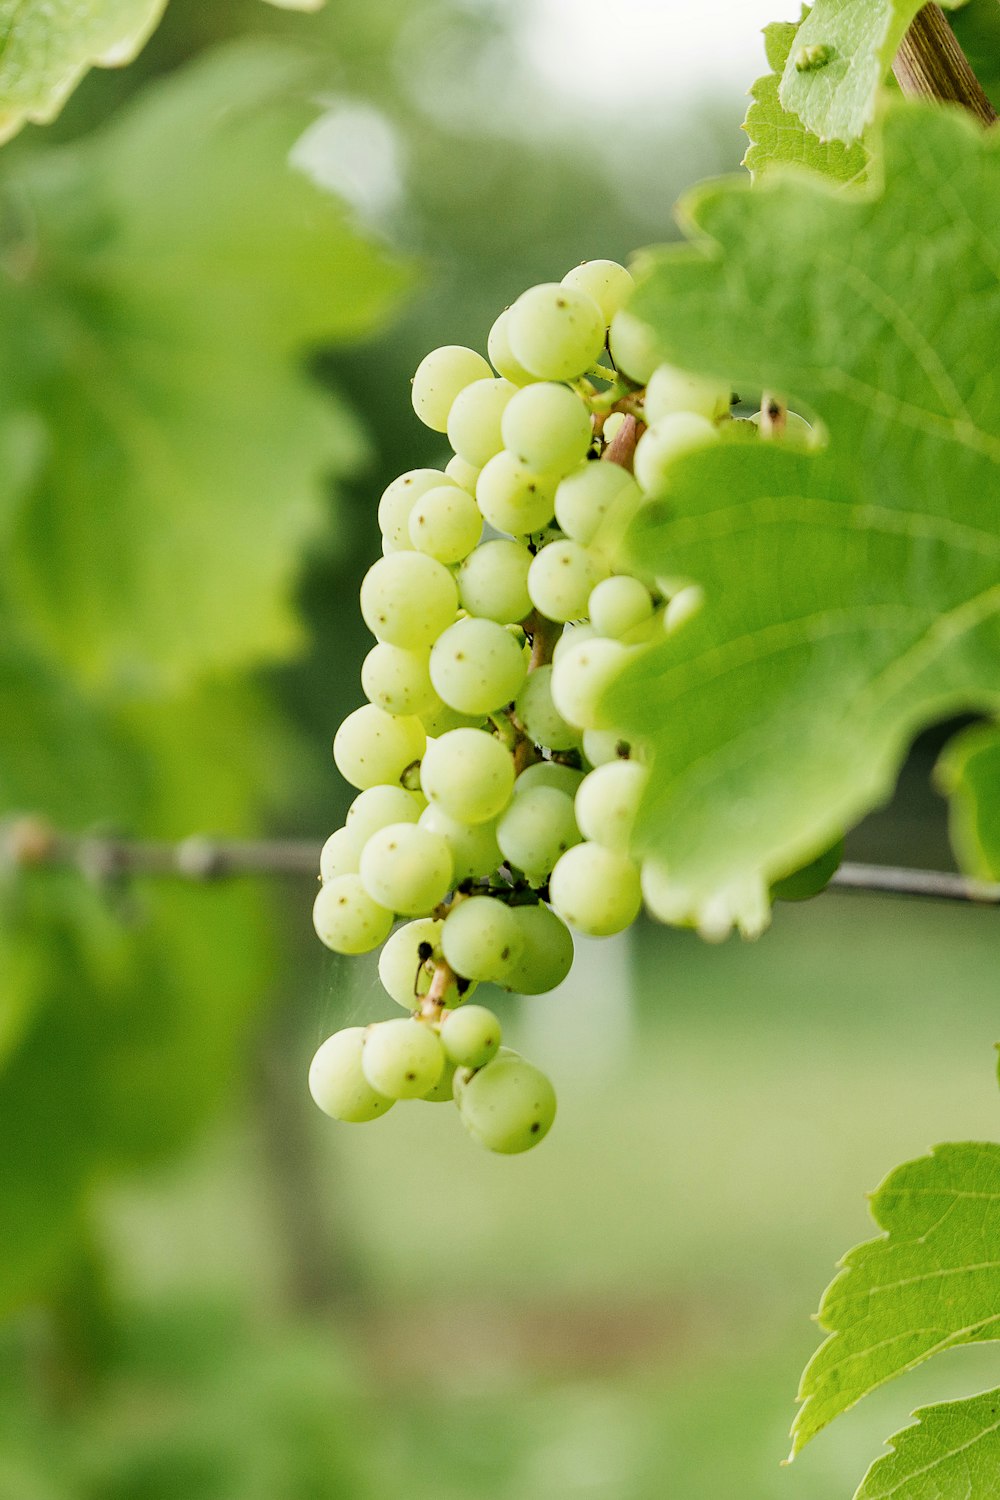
(852, 595)
(843, 51)
(153, 318)
(953, 1450)
(968, 772)
(46, 46)
(929, 1283)
(777, 136)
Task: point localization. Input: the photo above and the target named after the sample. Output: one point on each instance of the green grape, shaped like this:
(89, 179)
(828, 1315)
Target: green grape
(398, 681)
(470, 1036)
(603, 745)
(561, 578)
(439, 377)
(672, 390)
(443, 1091)
(807, 881)
(338, 856)
(464, 475)
(346, 918)
(376, 808)
(481, 939)
(633, 346)
(499, 350)
(596, 502)
(796, 431)
(513, 498)
(620, 605)
(548, 773)
(508, 1106)
(372, 747)
(543, 722)
(607, 802)
(446, 523)
(337, 1083)
(538, 827)
(574, 633)
(406, 869)
(555, 331)
(397, 501)
(663, 444)
(547, 956)
(582, 675)
(474, 847)
(682, 607)
(547, 428)
(408, 599)
(477, 666)
(442, 719)
(666, 901)
(406, 962)
(468, 774)
(402, 1059)
(474, 421)
(596, 890)
(607, 282)
(493, 582)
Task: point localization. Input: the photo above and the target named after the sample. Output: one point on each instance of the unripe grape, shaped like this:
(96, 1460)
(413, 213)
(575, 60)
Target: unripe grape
(596, 890)
(470, 1036)
(469, 774)
(346, 918)
(338, 1084)
(619, 605)
(445, 523)
(474, 420)
(536, 829)
(405, 964)
(398, 500)
(406, 869)
(547, 428)
(672, 390)
(543, 722)
(607, 802)
(548, 773)
(398, 681)
(481, 939)
(582, 675)
(477, 666)
(663, 444)
(603, 745)
(439, 377)
(474, 847)
(555, 331)
(561, 578)
(464, 475)
(575, 632)
(595, 503)
(443, 1090)
(682, 607)
(607, 282)
(493, 581)
(513, 498)
(371, 747)
(408, 599)
(376, 808)
(547, 955)
(502, 357)
(402, 1059)
(443, 719)
(508, 1106)
(633, 346)
(338, 856)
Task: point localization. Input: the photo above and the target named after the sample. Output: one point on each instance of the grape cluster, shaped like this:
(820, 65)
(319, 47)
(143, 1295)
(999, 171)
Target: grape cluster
(495, 797)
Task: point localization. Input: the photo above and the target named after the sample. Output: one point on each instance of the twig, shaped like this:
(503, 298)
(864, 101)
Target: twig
(938, 885)
(931, 65)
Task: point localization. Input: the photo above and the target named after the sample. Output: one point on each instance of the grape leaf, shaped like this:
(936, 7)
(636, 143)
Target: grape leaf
(153, 319)
(852, 595)
(853, 43)
(968, 772)
(954, 1449)
(778, 136)
(298, 4)
(46, 46)
(977, 27)
(929, 1283)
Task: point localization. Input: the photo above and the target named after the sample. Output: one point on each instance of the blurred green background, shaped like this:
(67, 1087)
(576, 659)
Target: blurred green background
(209, 1292)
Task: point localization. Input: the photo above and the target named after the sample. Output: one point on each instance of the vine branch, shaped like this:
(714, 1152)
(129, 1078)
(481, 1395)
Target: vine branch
(930, 64)
(30, 842)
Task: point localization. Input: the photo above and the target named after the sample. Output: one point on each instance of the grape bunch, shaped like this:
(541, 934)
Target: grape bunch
(496, 799)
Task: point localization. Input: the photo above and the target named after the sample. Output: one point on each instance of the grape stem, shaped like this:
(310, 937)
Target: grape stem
(433, 1002)
(621, 449)
(773, 416)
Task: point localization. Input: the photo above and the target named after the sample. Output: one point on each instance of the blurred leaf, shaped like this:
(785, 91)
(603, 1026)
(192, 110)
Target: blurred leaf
(298, 4)
(153, 319)
(968, 772)
(851, 594)
(928, 1283)
(779, 136)
(954, 1450)
(977, 27)
(46, 46)
(853, 43)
